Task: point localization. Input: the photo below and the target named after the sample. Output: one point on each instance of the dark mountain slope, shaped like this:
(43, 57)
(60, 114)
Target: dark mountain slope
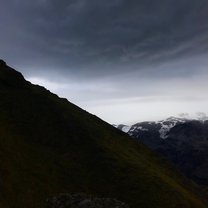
(50, 146)
(187, 147)
(183, 141)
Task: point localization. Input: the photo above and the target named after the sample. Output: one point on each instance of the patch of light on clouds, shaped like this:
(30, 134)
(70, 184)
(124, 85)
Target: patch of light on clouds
(132, 112)
(53, 86)
(77, 92)
(126, 102)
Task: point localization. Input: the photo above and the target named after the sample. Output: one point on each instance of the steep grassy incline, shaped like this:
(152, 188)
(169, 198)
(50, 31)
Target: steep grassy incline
(50, 146)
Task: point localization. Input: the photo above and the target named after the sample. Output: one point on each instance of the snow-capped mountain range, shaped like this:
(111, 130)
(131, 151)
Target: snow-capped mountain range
(183, 141)
(163, 127)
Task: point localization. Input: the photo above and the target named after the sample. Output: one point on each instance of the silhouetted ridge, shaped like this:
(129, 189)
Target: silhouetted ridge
(2, 62)
(10, 77)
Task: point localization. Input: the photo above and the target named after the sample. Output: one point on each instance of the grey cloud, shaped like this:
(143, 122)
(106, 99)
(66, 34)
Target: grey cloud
(131, 57)
(90, 35)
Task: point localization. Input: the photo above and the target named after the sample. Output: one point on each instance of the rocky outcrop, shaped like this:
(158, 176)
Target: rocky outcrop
(9, 77)
(2, 63)
(83, 201)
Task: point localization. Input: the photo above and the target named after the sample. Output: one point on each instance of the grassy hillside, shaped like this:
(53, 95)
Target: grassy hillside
(50, 146)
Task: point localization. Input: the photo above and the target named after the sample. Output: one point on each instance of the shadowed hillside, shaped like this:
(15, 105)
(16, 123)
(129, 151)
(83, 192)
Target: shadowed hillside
(183, 141)
(50, 146)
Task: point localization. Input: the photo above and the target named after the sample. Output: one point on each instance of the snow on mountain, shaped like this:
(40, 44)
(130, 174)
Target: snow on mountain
(122, 127)
(134, 128)
(168, 124)
(162, 127)
(184, 141)
(126, 129)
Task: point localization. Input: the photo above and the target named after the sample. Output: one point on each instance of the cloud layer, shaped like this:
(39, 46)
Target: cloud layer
(113, 49)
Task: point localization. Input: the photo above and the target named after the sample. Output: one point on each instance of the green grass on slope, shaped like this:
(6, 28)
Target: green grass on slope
(49, 146)
(32, 173)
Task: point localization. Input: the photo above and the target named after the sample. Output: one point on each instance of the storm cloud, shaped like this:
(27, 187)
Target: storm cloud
(127, 49)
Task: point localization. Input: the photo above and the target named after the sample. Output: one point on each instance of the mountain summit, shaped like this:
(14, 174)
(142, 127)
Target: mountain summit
(50, 146)
(2, 62)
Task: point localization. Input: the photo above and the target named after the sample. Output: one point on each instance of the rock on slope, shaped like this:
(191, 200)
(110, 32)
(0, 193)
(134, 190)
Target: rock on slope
(83, 201)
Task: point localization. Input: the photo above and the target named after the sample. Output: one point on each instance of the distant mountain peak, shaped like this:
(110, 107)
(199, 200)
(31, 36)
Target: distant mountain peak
(182, 140)
(161, 127)
(174, 118)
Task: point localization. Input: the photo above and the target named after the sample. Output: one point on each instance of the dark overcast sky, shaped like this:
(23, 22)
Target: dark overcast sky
(122, 60)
